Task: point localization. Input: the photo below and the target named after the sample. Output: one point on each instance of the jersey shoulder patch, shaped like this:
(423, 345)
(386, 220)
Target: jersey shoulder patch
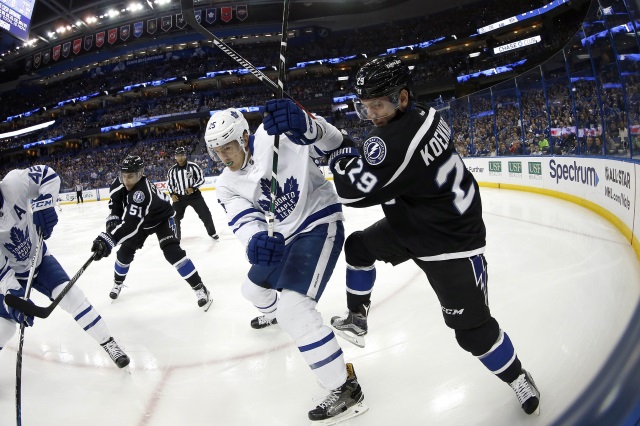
(375, 150)
(138, 197)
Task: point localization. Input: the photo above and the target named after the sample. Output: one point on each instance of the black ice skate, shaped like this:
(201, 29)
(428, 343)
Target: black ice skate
(115, 291)
(204, 298)
(527, 393)
(262, 322)
(342, 403)
(353, 327)
(116, 353)
(215, 237)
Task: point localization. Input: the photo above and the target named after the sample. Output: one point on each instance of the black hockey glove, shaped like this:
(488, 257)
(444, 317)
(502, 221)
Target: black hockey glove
(284, 116)
(102, 245)
(112, 222)
(340, 157)
(264, 250)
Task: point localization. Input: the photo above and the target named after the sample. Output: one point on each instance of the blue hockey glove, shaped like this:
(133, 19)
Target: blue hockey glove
(264, 250)
(112, 222)
(337, 159)
(284, 116)
(44, 214)
(102, 245)
(17, 314)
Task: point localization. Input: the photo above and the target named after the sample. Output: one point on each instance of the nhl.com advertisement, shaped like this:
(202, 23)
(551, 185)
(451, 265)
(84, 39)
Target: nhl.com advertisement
(608, 184)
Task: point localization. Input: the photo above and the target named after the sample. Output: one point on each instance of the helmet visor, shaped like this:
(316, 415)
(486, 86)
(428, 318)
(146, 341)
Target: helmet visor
(372, 109)
(225, 153)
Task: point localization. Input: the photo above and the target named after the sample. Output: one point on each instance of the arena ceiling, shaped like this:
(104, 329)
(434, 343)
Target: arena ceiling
(74, 15)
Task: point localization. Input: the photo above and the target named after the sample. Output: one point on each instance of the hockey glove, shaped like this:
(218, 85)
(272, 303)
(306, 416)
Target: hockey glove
(340, 158)
(102, 245)
(264, 250)
(284, 116)
(44, 214)
(112, 222)
(17, 314)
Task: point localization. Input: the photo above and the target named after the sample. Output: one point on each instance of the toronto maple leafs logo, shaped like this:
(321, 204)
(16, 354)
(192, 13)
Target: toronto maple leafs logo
(21, 247)
(286, 198)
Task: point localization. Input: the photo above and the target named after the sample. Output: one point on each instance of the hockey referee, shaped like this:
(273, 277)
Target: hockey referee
(184, 179)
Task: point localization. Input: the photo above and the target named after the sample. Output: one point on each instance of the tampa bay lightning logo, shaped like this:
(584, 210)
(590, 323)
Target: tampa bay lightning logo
(20, 245)
(375, 150)
(138, 196)
(286, 198)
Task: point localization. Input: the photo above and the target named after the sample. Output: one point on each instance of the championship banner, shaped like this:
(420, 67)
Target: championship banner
(180, 22)
(242, 12)
(137, 29)
(36, 59)
(100, 39)
(46, 56)
(211, 16)
(226, 13)
(152, 25)
(112, 35)
(125, 32)
(66, 49)
(88, 42)
(166, 23)
(198, 14)
(56, 53)
(77, 45)
(27, 63)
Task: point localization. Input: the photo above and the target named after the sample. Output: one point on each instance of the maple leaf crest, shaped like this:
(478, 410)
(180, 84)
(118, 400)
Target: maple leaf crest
(21, 247)
(286, 197)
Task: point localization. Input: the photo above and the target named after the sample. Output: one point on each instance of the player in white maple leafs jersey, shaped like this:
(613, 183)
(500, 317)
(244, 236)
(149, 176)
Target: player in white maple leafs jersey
(297, 261)
(27, 207)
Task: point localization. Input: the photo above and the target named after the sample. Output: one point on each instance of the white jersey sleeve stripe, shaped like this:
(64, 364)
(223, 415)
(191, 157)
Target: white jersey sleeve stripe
(414, 145)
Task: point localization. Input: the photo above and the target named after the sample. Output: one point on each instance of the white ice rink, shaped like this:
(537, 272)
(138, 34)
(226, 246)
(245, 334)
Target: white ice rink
(563, 283)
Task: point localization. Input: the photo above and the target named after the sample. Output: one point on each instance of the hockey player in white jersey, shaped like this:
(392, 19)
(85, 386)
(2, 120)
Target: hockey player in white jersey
(27, 208)
(290, 269)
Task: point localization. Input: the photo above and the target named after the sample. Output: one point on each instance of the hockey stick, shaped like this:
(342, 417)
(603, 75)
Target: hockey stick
(271, 218)
(189, 16)
(43, 312)
(27, 292)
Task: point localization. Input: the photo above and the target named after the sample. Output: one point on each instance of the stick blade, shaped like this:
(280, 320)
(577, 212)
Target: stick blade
(26, 306)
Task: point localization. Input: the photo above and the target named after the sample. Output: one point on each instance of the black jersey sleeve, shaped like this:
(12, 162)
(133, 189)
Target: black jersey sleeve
(116, 199)
(387, 165)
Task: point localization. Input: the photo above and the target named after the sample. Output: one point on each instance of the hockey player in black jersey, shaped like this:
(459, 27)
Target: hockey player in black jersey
(138, 210)
(433, 216)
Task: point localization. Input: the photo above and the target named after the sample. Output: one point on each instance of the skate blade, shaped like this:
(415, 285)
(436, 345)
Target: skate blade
(354, 411)
(208, 305)
(356, 340)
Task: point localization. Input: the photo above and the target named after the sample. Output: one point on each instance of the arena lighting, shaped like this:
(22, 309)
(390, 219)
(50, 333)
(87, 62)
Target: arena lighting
(343, 78)
(26, 130)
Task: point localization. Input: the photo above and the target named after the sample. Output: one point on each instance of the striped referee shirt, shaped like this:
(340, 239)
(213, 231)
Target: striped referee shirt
(188, 176)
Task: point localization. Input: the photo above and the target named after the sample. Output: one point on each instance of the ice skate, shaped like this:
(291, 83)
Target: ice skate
(353, 327)
(115, 291)
(204, 298)
(215, 238)
(116, 353)
(342, 403)
(527, 393)
(262, 322)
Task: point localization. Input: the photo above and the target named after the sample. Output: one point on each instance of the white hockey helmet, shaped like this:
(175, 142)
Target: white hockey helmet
(225, 126)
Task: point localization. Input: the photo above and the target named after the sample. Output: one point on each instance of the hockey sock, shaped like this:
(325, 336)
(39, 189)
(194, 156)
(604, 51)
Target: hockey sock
(87, 317)
(264, 299)
(502, 360)
(360, 280)
(187, 271)
(120, 271)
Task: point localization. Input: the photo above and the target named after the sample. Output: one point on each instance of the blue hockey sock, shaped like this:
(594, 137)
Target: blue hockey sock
(500, 356)
(360, 282)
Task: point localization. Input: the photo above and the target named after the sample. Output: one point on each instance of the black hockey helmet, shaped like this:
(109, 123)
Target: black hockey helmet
(380, 77)
(181, 151)
(131, 164)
